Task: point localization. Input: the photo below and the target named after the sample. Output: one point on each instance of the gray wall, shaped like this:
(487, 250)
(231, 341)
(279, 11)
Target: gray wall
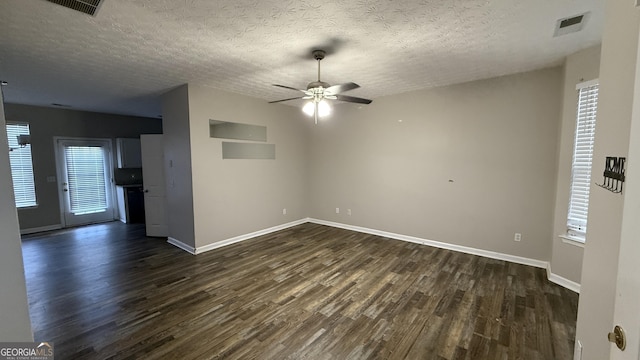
(178, 171)
(496, 139)
(615, 104)
(45, 123)
(236, 197)
(566, 258)
(15, 324)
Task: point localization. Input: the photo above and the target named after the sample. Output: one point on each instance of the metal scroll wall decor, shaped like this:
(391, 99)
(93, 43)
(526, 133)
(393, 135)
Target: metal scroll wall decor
(613, 174)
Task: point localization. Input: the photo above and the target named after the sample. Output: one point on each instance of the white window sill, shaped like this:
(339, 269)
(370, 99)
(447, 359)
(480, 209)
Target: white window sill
(572, 240)
(27, 207)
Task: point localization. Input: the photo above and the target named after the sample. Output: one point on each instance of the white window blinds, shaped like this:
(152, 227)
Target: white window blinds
(582, 159)
(86, 179)
(21, 166)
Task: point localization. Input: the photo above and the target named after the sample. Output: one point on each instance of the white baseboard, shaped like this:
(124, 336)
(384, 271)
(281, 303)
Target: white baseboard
(40, 229)
(459, 248)
(248, 236)
(573, 286)
(438, 244)
(177, 243)
(566, 283)
(199, 250)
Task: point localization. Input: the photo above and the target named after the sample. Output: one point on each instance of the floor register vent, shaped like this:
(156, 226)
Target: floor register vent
(84, 6)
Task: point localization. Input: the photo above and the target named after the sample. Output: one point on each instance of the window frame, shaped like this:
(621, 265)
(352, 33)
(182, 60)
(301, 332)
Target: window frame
(32, 200)
(582, 161)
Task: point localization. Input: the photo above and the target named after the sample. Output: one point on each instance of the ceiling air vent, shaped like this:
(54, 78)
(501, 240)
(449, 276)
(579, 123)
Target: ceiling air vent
(85, 6)
(570, 25)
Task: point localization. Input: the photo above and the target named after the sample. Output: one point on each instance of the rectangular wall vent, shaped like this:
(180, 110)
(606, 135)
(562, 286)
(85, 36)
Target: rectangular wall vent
(85, 6)
(570, 24)
(571, 21)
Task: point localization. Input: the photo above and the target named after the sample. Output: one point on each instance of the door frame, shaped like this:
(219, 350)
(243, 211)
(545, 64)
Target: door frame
(60, 173)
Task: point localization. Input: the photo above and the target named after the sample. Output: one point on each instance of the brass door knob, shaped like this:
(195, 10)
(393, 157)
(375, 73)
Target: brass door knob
(618, 337)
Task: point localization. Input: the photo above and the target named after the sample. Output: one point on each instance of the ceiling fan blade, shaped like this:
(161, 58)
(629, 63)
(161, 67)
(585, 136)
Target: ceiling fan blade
(340, 88)
(289, 87)
(353, 99)
(277, 101)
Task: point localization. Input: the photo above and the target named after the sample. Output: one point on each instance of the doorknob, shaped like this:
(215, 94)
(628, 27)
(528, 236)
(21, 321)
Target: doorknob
(146, 190)
(618, 337)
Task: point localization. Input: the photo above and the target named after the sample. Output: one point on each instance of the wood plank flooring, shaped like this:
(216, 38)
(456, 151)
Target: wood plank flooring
(308, 292)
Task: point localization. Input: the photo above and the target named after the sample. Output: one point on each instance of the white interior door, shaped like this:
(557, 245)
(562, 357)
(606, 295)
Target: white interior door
(84, 170)
(154, 186)
(627, 305)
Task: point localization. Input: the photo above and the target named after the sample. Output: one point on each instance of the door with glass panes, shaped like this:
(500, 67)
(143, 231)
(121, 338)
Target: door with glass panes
(84, 173)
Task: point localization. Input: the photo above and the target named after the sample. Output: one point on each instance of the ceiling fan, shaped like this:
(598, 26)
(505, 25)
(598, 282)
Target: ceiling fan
(319, 91)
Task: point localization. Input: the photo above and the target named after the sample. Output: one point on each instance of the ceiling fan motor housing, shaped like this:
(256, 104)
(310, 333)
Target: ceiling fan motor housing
(318, 54)
(317, 84)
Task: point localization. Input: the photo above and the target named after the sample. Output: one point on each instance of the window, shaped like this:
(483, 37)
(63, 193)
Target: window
(21, 166)
(86, 176)
(582, 159)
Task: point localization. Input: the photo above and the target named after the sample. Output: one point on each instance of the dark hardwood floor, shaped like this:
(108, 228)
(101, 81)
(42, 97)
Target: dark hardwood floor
(309, 292)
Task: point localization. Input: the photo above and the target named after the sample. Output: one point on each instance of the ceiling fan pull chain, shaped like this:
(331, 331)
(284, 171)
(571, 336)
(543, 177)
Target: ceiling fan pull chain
(315, 112)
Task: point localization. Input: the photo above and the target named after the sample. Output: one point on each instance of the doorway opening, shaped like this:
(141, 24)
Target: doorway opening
(86, 191)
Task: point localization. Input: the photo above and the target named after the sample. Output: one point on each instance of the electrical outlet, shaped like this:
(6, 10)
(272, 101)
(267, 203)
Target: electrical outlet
(284, 211)
(349, 212)
(337, 210)
(517, 237)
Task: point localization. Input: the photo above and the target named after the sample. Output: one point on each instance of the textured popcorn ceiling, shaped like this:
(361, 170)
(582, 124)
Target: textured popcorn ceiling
(134, 50)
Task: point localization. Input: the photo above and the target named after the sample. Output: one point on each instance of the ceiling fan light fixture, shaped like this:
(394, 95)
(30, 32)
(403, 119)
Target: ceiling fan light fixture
(323, 108)
(308, 108)
(318, 92)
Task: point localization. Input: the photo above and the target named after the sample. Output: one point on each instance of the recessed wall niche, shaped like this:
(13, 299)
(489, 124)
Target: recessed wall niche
(238, 150)
(238, 131)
